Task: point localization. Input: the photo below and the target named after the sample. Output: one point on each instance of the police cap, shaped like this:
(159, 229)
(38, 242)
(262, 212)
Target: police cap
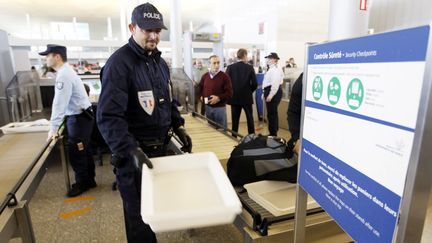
(51, 48)
(273, 55)
(146, 16)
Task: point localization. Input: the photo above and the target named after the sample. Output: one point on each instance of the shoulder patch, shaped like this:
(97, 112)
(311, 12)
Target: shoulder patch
(59, 85)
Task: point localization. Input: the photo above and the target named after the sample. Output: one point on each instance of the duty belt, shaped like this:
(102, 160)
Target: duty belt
(88, 113)
(155, 145)
(149, 146)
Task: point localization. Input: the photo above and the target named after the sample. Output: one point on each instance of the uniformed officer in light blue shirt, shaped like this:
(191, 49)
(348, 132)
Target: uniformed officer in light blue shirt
(72, 103)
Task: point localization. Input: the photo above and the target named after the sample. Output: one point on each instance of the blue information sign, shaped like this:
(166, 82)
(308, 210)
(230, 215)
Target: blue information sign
(362, 100)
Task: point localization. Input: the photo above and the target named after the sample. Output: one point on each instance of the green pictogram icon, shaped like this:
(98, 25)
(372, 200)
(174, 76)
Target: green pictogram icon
(333, 91)
(355, 94)
(317, 88)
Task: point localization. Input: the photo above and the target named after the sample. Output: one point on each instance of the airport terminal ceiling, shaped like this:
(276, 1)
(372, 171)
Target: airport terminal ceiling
(286, 20)
(285, 16)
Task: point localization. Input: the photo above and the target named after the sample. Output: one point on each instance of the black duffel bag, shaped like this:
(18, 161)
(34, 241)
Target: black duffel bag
(259, 157)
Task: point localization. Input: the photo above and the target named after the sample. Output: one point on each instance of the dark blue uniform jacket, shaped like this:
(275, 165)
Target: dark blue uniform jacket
(121, 117)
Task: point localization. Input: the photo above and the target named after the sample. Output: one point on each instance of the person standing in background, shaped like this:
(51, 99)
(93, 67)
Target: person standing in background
(291, 63)
(244, 83)
(294, 116)
(215, 91)
(273, 92)
(198, 71)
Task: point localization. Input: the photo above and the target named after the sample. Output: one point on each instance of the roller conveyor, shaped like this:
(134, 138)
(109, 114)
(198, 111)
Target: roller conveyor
(206, 138)
(256, 223)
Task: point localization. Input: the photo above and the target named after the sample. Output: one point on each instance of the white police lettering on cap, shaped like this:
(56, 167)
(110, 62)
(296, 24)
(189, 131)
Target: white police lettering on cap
(146, 101)
(151, 15)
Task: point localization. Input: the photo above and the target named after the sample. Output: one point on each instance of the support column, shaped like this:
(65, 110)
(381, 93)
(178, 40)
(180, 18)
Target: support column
(218, 49)
(123, 21)
(175, 34)
(29, 27)
(346, 20)
(74, 25)
(109, 28)
(7, 71)
(187, 47)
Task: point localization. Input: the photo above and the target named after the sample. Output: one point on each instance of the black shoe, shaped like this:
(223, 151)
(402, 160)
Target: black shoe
(91, 183)
(77, 189)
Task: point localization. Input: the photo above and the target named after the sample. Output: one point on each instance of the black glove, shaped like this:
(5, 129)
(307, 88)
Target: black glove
(117, 161)
(139, 158)
(185, 139)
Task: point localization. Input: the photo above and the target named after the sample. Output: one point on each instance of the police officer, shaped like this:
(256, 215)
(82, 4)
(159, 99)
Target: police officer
(136, 111)
(71, 102)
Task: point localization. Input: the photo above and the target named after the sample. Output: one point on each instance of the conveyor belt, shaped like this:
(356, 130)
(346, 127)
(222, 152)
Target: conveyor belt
(261, 218)
(17, 152)
(206, 138)
(23, 163)
(251, 203)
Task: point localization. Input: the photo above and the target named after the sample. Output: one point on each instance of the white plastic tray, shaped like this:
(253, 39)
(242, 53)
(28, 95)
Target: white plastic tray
(187, 191)
(24, 127)
(278, 197)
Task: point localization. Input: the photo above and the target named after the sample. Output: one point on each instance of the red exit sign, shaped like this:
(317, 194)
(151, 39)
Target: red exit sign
(363, 5)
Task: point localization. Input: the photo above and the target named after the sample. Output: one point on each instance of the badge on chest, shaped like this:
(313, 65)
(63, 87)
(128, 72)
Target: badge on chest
(146, 101)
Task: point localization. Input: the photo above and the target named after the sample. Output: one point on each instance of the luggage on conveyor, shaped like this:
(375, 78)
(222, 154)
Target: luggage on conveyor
(259, 157)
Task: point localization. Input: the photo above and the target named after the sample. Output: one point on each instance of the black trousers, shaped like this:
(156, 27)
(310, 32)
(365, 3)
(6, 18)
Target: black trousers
(235, 116)
(272, 111)
(129, 185)
(79, 129)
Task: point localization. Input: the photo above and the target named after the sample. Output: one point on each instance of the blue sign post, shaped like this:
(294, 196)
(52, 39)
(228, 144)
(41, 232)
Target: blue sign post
(360, 123)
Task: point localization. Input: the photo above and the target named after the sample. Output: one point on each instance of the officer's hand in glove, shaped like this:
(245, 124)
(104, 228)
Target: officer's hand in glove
(185, 139)
(139, 158)
(117, 161)
(290, 145)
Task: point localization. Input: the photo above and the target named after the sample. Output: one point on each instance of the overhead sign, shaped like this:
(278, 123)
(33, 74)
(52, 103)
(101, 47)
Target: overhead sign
(208, 37)
(361, 108)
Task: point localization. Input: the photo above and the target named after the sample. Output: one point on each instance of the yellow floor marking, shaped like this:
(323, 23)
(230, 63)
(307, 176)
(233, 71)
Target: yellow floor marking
(78, 199)
(75, 213)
